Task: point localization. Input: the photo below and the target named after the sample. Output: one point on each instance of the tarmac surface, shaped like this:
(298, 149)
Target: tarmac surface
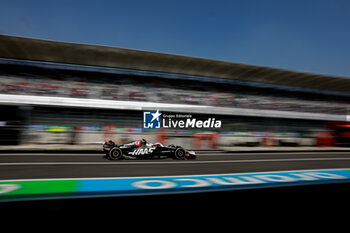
(58, 165)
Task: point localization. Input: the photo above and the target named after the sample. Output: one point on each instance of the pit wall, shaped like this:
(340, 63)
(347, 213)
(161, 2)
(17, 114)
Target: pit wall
(196, 140)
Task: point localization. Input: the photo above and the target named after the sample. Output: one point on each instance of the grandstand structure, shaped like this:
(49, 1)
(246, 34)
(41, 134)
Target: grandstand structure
(112, 84)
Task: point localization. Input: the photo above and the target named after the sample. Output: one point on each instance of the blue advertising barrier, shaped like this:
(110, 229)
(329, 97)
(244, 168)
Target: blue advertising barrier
(197, 183)
(79, 187)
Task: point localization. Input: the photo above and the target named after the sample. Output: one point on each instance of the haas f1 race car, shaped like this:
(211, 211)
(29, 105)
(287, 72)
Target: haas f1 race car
(143, 150)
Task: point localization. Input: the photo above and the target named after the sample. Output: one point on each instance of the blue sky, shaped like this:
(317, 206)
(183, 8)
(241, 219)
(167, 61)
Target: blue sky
(302, 35)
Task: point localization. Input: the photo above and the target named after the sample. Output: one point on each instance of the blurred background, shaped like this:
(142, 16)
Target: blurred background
(79, 95)
(74, 74)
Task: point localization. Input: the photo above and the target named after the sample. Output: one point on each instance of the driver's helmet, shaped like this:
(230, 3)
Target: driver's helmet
(143, 142)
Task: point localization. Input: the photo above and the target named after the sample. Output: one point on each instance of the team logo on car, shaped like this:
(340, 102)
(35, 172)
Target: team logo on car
(151, 120)
(142, 151)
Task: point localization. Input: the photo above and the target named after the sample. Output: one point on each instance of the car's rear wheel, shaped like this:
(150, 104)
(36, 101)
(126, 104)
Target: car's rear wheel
(115, 153)
(180, 154)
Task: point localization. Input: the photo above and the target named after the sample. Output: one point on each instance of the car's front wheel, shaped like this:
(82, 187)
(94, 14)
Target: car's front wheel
(115, 153)
(180, 154)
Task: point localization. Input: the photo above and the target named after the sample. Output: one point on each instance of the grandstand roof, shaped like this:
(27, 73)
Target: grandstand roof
(93, 55)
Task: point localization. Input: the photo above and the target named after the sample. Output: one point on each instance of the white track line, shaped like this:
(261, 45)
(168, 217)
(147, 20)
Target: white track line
(173, 176)
(173, 162)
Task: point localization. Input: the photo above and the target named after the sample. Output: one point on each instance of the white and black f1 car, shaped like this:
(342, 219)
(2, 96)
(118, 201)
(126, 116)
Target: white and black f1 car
(143, 150)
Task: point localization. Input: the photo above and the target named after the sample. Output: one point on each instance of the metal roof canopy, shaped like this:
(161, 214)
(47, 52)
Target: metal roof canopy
(92, 55)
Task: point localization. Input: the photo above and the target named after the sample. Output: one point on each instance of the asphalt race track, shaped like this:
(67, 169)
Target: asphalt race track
(51, 165)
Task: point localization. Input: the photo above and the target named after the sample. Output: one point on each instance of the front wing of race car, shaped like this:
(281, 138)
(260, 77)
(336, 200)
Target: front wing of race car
(190, 154)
